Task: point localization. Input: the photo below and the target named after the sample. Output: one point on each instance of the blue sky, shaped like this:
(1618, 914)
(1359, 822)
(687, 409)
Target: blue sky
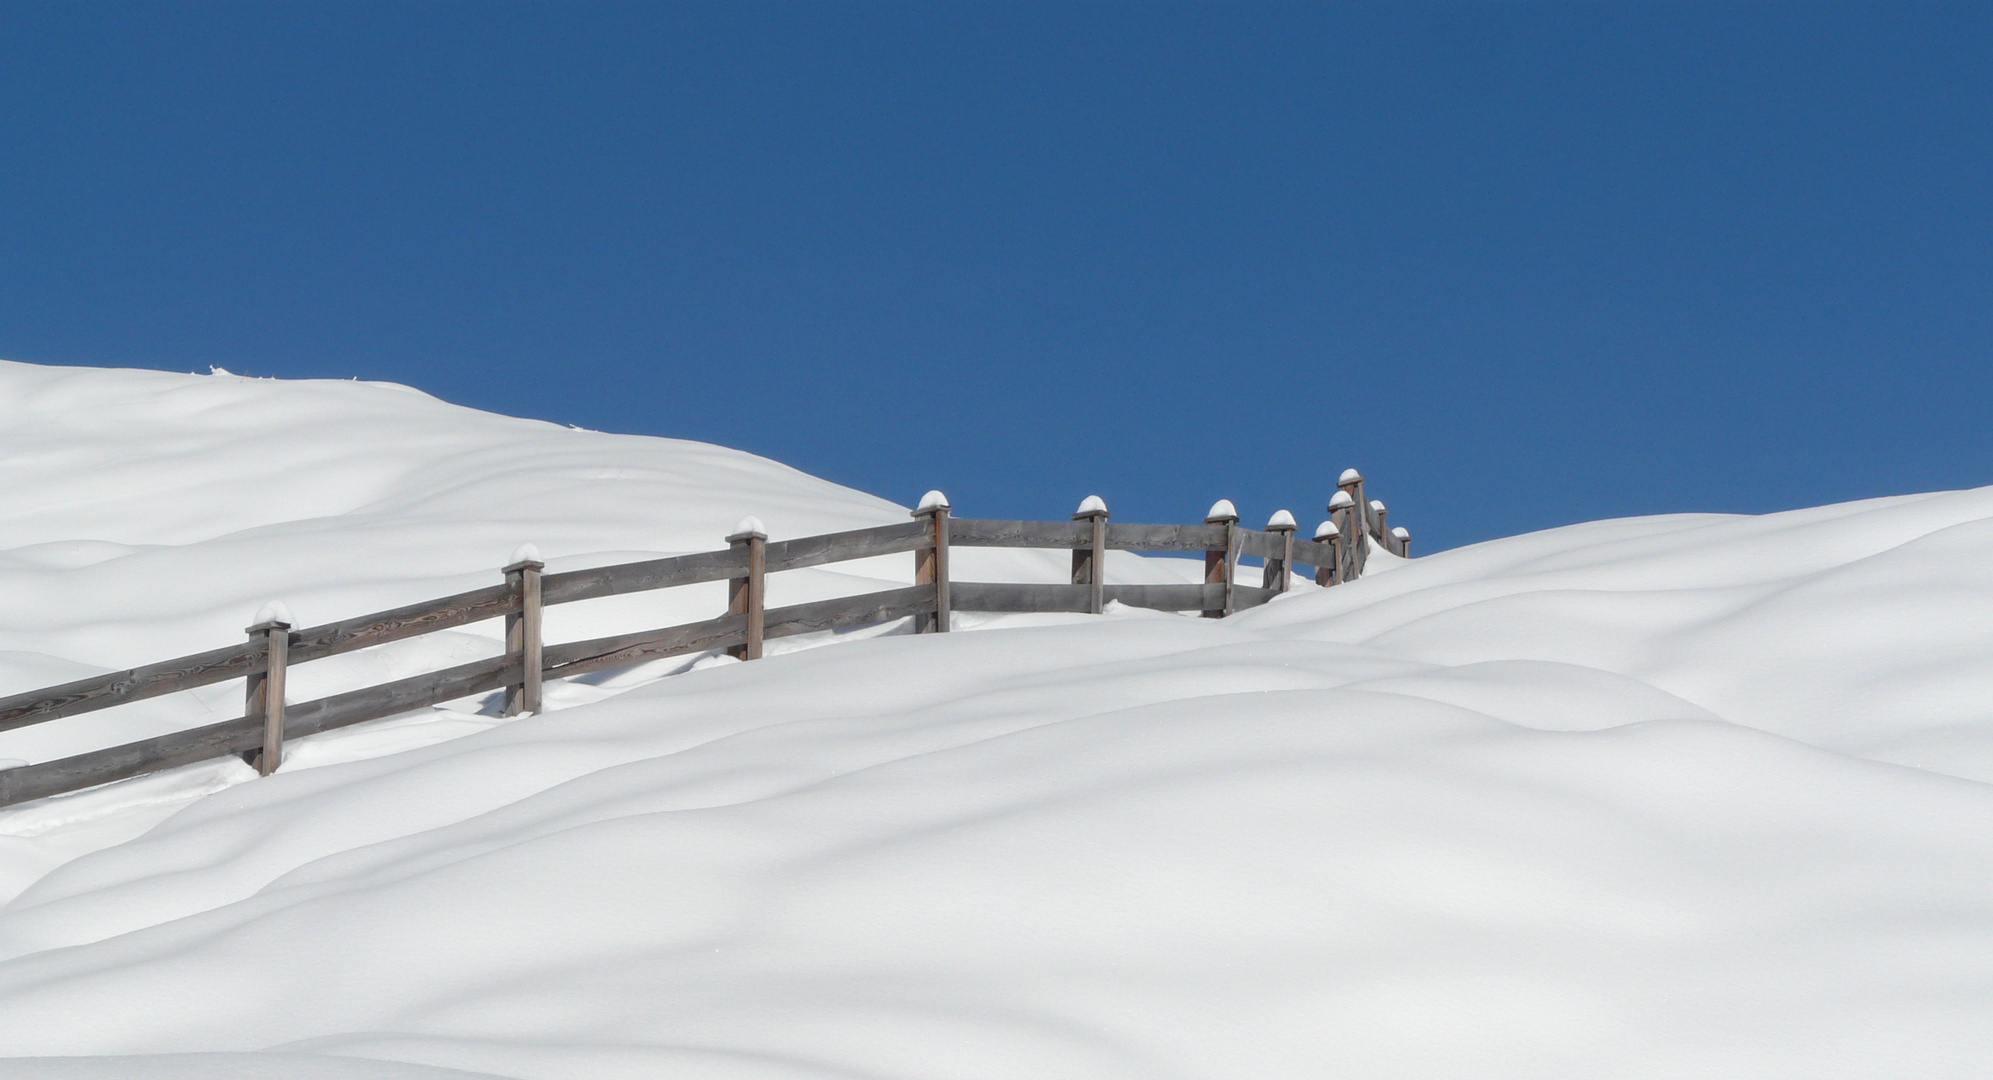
(1525, 265)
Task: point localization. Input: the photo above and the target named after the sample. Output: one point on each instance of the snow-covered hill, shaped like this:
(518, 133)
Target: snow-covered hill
(1681, 796)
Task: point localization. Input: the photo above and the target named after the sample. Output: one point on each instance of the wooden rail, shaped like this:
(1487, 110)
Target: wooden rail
(1337, 553)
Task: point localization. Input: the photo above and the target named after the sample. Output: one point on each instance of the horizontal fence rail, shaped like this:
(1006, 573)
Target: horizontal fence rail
(1337, 552)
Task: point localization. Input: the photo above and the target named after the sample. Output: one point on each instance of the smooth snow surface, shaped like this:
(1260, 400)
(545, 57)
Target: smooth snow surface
(1683, 796)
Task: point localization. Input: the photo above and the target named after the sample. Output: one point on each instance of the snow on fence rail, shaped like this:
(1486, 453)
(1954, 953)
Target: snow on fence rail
(1337, 553)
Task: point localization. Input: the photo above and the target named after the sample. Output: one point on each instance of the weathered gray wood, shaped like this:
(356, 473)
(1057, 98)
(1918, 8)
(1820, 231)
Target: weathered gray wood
(523, 637)
(1246, 596)
(694, 569)
(1311, 553)
(944, 600)
(991, 596)
(1222, 559)
(845, 546)
(134, 684)
(242, 735)
(745, 594)
(412, 620)
(1259, 544)
(996, 597)
(930, 567)
(1131, 536)
(264, 692)
(1168, 597)
(991, 532)
(1278, 574)
(401, 695)
(617, 650)
(850, 611)
(1090, 562)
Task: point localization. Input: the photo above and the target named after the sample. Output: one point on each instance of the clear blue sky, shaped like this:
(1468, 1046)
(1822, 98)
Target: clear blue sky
(1523, 265)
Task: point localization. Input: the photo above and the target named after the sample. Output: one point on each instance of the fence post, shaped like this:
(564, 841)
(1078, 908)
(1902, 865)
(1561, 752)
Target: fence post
(1090, 562)
(1356, 541)
(1377, 516)
(1326, 533)
(746, 595)
(1279, 573)
(1342, 511)
(930, 566)
(1404, 537)
(522, 631)
(1219, 562)
(264, 696)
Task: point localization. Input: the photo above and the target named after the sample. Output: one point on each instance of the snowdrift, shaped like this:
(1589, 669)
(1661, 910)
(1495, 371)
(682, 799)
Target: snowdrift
(1681, 796)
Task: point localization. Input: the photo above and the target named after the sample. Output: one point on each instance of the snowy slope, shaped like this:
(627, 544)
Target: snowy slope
(1682, 796)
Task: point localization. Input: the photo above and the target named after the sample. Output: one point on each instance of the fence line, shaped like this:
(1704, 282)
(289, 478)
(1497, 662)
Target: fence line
(1337, 551)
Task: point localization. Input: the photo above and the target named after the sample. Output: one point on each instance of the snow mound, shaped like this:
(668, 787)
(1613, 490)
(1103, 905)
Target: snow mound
(1695, 795)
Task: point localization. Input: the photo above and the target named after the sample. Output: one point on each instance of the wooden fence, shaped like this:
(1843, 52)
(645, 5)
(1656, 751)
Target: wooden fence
(1337, 552)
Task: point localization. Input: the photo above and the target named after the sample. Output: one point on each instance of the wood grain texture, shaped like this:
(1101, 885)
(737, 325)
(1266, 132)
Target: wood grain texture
(845, 546)
(992, 596)
(991, 532)
(1247, 596)
(844, 611)
(995, 597)
(1131, 536)
(412, 620)
(1311, 553)
(134, 684)
(243, 735)
(616, 650)
(1260, 545)
(694, 569)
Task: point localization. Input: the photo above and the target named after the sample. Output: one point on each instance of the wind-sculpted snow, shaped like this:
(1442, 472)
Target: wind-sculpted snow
(1686, 796)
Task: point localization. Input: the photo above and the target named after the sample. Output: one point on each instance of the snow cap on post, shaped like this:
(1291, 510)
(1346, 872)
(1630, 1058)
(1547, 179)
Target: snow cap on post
(1090, 506)
(933, 500)
(749, 526)
(526, 553)
(1402, 533)
(1341, 500)
(272, 614)
(1327, 531)
(1222, 510)
(1281, 519)
(1350, 476)
(1377, 505)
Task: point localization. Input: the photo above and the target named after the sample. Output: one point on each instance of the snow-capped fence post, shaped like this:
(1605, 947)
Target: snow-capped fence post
(1378, 532)
(746, 595)
(930, 564)
(1356, 530)
(1220, 562)
(264, 695)
(1279, 574)
(1342, 511)
(523, 640)
(1404, 538)
(1326, 533)
(1090, 562)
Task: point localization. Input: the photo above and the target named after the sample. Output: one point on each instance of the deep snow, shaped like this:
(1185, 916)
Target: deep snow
(1694, 795)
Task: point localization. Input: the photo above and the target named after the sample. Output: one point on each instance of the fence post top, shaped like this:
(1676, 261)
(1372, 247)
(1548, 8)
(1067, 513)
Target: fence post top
(1341, 500)
(1377, 505)
(1221, 512)
(1349, 477)
(749, 528)
(932, 502)
(1091, 506)
(1402, 533)
(271, 616)
(1327, 531)
(526, 557)
(1281, 521)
